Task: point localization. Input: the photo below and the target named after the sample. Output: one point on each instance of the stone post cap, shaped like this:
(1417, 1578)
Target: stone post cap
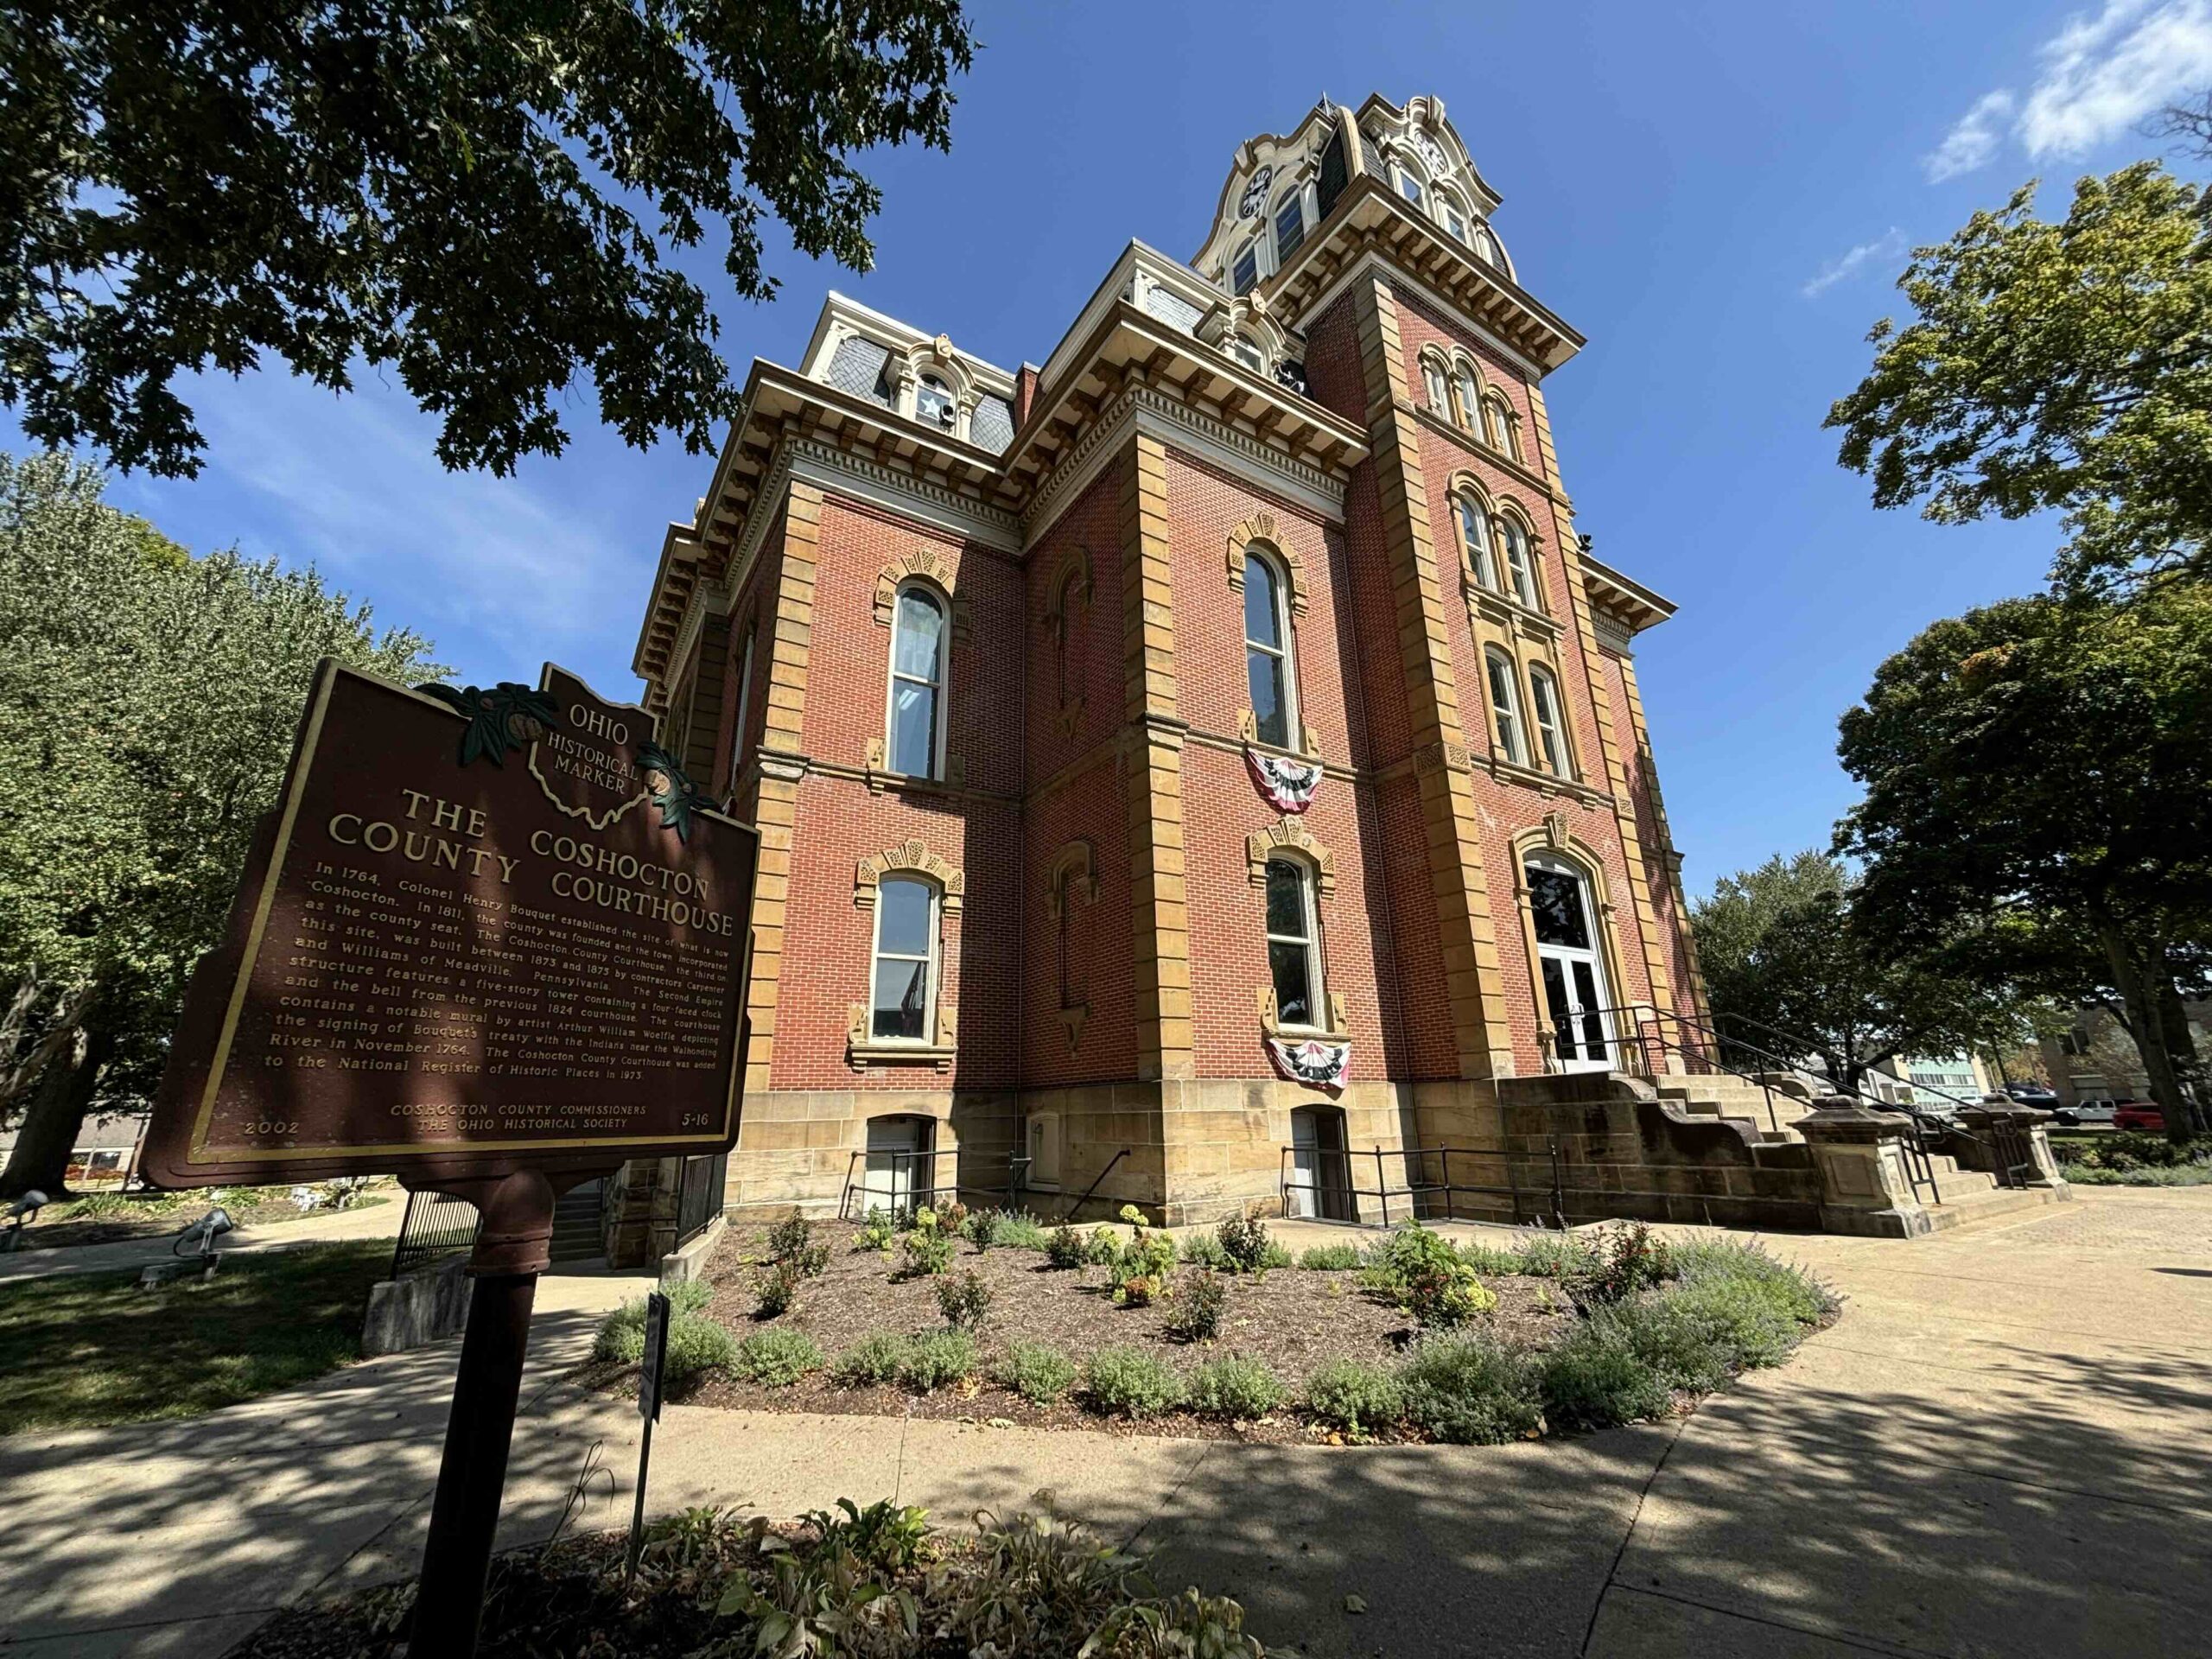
(1839, 1117)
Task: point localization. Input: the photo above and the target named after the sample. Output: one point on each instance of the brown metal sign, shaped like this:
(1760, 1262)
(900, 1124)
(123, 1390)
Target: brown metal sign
(484, 930)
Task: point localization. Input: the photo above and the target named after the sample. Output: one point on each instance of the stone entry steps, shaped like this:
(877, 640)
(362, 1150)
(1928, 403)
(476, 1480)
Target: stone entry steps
(1974, 1195)
(1725, 1097)
(575, 1225)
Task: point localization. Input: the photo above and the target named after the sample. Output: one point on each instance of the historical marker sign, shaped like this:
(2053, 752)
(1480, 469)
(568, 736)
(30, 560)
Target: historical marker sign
(486, 930)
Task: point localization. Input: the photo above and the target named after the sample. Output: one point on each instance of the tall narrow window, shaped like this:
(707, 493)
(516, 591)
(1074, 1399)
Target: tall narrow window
(1064, 640)
(1245, 275)
(933, 402)
(1520, 568)
(1513, 435)
(1551, 733)
(1493, 425)
(1454, 220)
(1506, 707)
(1486, 245)
(737, 743)
(1474, 532)
(1267, 652)
(1411, 185)
(1290, 228)
(1245, 350)
(1439, 396)
(904, 993)
(917, 681)
(1470, 397)
(1294, 943)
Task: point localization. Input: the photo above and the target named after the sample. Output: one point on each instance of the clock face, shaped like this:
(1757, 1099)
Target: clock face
(1255, 199)
(1431, 153)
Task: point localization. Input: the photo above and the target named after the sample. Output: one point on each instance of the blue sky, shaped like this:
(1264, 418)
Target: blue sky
(1719, 196)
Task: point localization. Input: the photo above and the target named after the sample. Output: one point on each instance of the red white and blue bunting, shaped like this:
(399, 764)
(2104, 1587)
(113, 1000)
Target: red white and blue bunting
(1288, 784)
(1316, 1064)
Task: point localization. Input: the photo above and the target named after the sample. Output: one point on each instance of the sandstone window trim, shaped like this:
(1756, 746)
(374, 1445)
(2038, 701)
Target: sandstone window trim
(922, 564)
(1261, 527)
(1552, 839)
(1070, 879)
(1069, 586)
(934, 683)
(938, 1043)
(910, 858)
(1287, 834)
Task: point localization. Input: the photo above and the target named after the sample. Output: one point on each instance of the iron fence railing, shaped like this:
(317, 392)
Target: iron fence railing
(1429, 1175)
(436, 1225)
(700, 1198)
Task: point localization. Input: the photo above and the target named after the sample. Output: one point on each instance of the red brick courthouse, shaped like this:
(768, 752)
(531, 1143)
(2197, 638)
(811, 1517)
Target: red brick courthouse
(1214, 742)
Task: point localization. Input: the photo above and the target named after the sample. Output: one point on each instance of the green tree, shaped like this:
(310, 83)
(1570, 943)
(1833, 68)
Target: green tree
(482, 196)
(2045, 768)
(2062, 366)
(147, 701)
(1792, 969)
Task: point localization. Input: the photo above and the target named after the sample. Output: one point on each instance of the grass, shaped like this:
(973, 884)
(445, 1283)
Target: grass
(89, 1351)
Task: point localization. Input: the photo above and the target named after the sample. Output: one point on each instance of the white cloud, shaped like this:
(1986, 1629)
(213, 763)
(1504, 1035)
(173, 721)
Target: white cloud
(1971, 142)
(2100, 76)
(1888, 246)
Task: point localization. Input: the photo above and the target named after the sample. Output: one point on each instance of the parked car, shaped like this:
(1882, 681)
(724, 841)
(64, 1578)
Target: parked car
(2031, 1094)
(2085, 1111)
(2140, 1115)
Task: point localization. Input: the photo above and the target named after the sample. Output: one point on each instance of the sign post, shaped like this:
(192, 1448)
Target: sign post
(649, 1367)
(493, 942)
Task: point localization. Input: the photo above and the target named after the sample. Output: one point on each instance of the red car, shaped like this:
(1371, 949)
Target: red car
(2140, 1115)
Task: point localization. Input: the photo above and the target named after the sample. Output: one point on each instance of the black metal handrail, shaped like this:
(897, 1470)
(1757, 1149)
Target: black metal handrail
(1068, 1209)
(436, 1225)
(1416, 1186)
(907, 1193)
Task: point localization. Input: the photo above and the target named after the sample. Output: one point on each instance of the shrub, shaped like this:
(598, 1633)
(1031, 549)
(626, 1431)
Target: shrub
(1142, 1265)
(1419, 1268)
(1235, 1387)
(1745, 1323)
(1626, 1260)
(1066, 1247)
(775, 1359)
(1139, 1289)
(1039, 1373)
(1198, 1299)
(1472, 1390)
(1131, 1384)
(964, 1301)
(982, 1228)
(1804, 1297)
(1330, 1258)
(1103, 1248)
(877, 1229)
(1019, 1232)
(1203, 1250)
(1553, 1256)
(884, 1535)
(929, 1252)
(774, 1291)
(1488, 1258)
(1243, 1240)
(791, 1237)
(939, 1358)
(952, 1218)
(622, 1333)
(1356, 1396)
(1274, 1255)
(695, 1345)
(876, 1358)
(1596, 1379)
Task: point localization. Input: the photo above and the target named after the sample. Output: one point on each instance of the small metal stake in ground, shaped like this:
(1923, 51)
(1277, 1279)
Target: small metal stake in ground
(649, 1364)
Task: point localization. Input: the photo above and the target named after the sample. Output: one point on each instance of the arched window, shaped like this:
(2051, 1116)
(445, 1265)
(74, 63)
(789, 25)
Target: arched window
(1245, 350)
(933, 402)
(1290, 226)
(1520, 566)
(1413, 183)
(1474, 535)
(1245, 275)
(917, 681)
(1448, 210)
(1067, 663)
(1505, 706)
(1267, 652)
(1439, 394)
(1486, 245)
(1470, 395)
(1551, 730)
(1294, 943)
(904, 1001)
(1493, 427)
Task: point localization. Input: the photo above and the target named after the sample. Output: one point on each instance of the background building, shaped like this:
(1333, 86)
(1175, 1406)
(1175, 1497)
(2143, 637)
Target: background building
(1200, 754)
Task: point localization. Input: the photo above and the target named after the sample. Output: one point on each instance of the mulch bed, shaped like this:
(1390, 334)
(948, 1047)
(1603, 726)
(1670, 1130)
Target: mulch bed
(1294, 1319)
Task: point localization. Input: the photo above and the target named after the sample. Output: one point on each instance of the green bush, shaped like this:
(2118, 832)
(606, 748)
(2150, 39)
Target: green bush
(1790, 1288)
(1272, 1255)
(1626, 1259)
(1203, 1250)
(964, 1301)
(877, 1229)
(695, 1345)
(884, 1535)
(1020, 1232)
(1243, 1240)
(1553, 1256)
(1356, 1396)
(790, 1238)
(1596, 1379)
(876, 1358)
(1488, 1258)
(1330, 1258)
(2178, 1175)
(1038, 1372)
(1103, 1248)
(622, 1333)
(937, 1359)
(1066, 1247)
(982, 1228)
(1420, 1269)
(774, 1291)
(929, 1252)
(1235, 1387)
(1131, 1384)
(1197, 1302)
(1472, 1390)
(775, 1359)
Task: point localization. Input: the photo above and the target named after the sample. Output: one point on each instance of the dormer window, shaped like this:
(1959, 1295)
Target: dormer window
(1245, 275)
(1411, 185)
(933, 404)
(1454, 220)
(1290, 227)
(1242, 348)
(1486, 245)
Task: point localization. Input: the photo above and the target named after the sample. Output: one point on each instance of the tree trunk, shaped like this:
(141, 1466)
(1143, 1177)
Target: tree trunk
(2173, 1020)
(18, 1079)
(55, 1115)
(2139, 989)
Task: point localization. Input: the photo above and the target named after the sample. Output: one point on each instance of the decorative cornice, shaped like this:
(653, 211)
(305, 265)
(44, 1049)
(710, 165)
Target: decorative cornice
(707, 598)
(902, 492)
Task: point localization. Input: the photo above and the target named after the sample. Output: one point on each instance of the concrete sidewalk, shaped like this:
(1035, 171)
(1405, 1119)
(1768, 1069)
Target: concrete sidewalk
(2003, 1449)
(374, 1221)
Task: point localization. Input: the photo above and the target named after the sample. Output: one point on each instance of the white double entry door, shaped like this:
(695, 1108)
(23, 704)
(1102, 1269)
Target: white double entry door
(1578, 1011)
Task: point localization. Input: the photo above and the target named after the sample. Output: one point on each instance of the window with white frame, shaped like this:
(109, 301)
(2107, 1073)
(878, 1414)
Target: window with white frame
(917, 727)
(1551, 729)
(933, 402)
(1290, 227)
(1267, 666)
(1474, 535)
(1520, 564)
(1245, 275)
(1294, 943)
(1439, 394)
(1493, 427)
(1470, 395)
(903, 1004)
(1486, 245)
(1505, 707)
(1447, 209)
(1246, 351)
(1413, 184)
